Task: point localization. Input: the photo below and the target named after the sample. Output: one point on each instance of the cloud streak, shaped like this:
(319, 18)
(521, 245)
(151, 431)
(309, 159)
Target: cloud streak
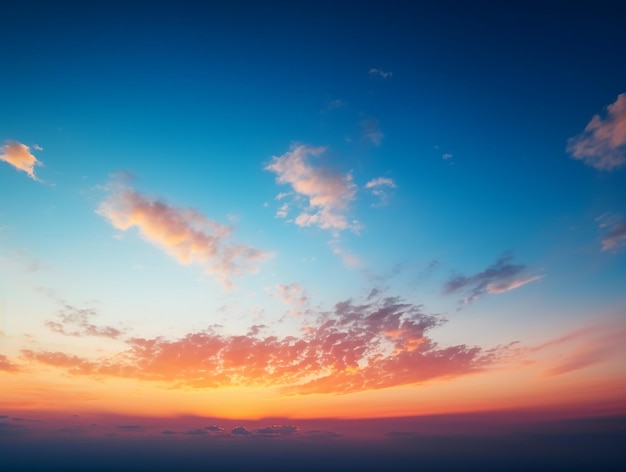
(500, 277)
(327, 194)
(183, 233)
(615, 232)
(19, 156)
(379, 187)
(602, 144)
(6, 365)
(76, 322)
(353, 347)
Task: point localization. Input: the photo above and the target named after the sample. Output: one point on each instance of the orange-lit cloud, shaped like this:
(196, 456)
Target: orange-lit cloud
(603, 142)
(328, 194)
(6, 365)
(350, 349)
(19, 156)
(183, 233)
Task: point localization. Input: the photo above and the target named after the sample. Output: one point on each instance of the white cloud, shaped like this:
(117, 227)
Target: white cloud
(380, 73)
(372, 132)
(379, 188)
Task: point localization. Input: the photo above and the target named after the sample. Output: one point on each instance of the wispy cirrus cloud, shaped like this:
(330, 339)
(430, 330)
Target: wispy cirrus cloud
(500, 277)
(371, 131)
(184, 233)
(72, 321)
(353, 347)
(20, 157)
(380, 73)
(327, 194)
(614, 227)
(380, 187)
(602, 144)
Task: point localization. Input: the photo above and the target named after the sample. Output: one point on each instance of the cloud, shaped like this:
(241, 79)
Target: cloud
(350, 260)
(183, 233)
(37, 147)
(602, 144)
(446, 156)
(278, 430)
(19, 156)
(240, 431)
(335, 104)
(292, 295)
(372, 132)
(353, 347)
(76, 322)
(498, 278)
(380, 73)
(379, 188)
(327, 193)
(615, 232)
(6, 365)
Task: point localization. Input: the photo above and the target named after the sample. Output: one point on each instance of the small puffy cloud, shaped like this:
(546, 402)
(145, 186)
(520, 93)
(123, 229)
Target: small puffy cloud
(37, 147)
(446, 156)
(19, 156)
(184, 233)
(500, 277)
(379, 187)
(6, 365)
(327, 193)
(614, 228)
(371, 132)
(379, 73)
(602, 144)
(335, 104)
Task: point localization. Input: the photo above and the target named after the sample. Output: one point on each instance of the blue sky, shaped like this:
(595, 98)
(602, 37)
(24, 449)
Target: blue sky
(250, 164)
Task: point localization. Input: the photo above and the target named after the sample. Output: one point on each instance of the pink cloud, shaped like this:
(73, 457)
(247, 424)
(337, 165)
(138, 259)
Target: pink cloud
(602, 143)
(328, 194)
(615, 231)
(183, 233)
(350, 348)
(501, 287)
(19, 156)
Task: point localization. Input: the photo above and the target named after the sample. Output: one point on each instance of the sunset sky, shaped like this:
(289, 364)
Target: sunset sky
(311, 210)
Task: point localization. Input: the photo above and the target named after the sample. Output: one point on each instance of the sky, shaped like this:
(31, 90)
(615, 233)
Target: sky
(350, 211)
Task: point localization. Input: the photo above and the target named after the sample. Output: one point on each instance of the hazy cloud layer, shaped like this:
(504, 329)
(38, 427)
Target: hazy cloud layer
(183, 233)
(20, 157)
(6, 365)
(327, 193)
(497, 278)
(603, 142)
(77, 322)
(353, 347)
(371, 132)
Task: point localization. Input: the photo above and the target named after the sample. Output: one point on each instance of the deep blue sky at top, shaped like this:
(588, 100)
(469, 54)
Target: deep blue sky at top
(205, 95)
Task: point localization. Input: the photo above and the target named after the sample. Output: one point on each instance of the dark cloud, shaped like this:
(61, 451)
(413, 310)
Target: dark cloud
(130, 427)
(240, 431)
(499, 277)
(279, 430)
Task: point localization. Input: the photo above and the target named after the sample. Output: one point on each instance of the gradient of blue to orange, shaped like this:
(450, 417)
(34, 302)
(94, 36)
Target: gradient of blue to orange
(311, 210)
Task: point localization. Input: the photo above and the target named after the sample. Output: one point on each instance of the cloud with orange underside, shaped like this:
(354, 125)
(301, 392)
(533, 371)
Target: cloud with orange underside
(352, 348)
(19, 156)
(184, 233)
